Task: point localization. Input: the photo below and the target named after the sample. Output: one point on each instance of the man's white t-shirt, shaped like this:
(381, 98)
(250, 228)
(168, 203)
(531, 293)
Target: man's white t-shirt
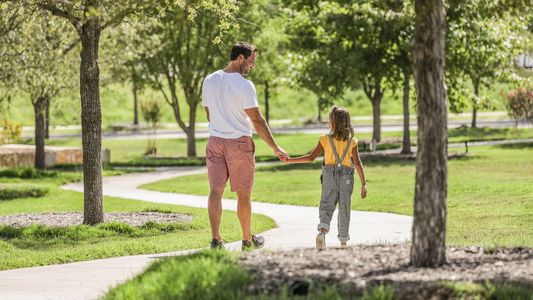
(227, 95)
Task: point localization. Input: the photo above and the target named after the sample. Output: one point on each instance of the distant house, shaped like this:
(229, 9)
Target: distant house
(525, 61)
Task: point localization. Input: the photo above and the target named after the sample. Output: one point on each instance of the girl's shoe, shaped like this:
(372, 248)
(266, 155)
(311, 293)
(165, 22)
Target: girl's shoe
(321, 241)
(343, 244)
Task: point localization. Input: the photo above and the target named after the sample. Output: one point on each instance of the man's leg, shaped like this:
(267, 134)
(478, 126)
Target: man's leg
(244, 212)
(214, 207)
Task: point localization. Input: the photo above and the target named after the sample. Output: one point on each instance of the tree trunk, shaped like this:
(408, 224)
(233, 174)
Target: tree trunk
(47, 119)
(91, 123)
(474, 109)
(376, 111)
(191, 138)
(267, 109)
(428, 248)
(39, 108)
(135, 99)
(406, 144)
(319, 106)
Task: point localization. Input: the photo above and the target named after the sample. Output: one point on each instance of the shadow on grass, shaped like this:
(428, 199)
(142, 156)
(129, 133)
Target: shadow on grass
(517, 146)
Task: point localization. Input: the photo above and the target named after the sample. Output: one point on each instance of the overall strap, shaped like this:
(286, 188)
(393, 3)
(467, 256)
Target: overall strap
(346, 152)
(338, 161)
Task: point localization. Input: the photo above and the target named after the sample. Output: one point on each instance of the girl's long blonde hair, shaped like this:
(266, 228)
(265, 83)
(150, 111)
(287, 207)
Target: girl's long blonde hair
(341, 124)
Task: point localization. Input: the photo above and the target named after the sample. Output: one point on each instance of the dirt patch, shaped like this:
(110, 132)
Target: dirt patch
(357, 268)
(74, 218)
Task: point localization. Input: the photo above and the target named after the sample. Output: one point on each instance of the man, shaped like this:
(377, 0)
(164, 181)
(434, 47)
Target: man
(230, 103)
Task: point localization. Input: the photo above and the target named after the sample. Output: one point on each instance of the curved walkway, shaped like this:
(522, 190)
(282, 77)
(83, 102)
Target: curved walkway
(91, 279)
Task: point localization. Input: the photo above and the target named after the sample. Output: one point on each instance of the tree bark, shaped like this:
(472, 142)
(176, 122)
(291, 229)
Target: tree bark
(429, 222)
(406, 143)
(376, 111)
(135, 99)
(91, 122)
(267, 108)
(374, 93)
(191, 138)
(39, 108)
(47, 119)
(474, 109)
(319, 106)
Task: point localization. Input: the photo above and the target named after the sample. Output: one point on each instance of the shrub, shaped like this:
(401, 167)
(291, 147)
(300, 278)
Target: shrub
(13, 192)
(9, 132)
(520, 104)
(26, 173)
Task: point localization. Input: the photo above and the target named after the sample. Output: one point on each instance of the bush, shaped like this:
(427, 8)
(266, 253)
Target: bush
(14, 192)
(26, 173)
(520, 104)
(9, 132)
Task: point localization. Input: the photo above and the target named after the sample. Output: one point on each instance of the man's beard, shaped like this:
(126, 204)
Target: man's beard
(241, 70)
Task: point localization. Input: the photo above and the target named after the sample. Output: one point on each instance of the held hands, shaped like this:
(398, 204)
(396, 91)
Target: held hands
(363, 191)
(282, 155)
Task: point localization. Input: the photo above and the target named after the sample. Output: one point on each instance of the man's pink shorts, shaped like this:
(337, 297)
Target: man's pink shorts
(233, 159)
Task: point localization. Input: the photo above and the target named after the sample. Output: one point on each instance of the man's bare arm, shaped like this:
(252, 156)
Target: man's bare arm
(262, 129)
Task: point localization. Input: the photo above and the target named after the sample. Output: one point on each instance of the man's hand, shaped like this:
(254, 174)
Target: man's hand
(282, 155)
(363, 191)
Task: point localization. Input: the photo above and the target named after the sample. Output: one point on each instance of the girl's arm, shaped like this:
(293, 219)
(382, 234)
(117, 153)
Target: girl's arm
(309, 157)
(359, 167)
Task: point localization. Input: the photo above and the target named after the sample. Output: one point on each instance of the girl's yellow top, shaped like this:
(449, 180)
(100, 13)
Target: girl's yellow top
(329, 156)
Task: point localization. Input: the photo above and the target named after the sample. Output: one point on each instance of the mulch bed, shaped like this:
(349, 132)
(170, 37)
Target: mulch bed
(74, 218)
(357, 268)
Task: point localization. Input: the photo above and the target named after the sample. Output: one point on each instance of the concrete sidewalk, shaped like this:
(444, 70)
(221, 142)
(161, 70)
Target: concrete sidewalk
(91, 279)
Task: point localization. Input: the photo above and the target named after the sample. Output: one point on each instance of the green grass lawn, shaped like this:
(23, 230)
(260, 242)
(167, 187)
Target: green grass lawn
(132, 151)
(38, 245)
(489, 193)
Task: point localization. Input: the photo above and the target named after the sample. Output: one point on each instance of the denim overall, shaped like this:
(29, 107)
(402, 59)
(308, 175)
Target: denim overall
(337, 187)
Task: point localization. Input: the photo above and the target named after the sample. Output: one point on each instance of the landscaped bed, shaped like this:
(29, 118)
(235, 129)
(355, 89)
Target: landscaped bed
(357, 272)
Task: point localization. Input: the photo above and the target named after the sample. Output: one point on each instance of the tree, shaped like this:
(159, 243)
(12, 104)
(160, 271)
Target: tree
(89, 18)
(38, 66)
(263, 25)
(151, 111)
(428, 247)
(120, 55)
(179, 49)
(356, 43)
(481, 45)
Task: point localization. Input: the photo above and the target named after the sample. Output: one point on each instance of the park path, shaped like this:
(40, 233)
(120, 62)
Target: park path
(91, 279)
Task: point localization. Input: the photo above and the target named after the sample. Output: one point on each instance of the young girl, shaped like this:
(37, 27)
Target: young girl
(340, 155)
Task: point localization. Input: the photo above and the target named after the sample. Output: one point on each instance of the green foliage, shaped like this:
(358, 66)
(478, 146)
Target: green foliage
(520, 104)
(9, 132)
(31, 236)
(26, 173)
(489, 290)
(204, 275)
(381, 292)
(9, 192)
(482, 42)
(151, 111)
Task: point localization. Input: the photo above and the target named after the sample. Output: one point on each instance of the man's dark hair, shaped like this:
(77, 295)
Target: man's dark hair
(244, 48)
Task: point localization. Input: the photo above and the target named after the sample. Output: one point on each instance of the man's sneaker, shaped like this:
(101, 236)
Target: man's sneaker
(217, 244)
(321, 241)
(256, 243)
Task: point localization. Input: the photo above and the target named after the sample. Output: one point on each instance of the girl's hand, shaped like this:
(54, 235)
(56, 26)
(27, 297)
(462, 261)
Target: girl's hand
(363, 191)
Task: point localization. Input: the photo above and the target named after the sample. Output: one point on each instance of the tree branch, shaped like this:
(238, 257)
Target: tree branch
(61, 13)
